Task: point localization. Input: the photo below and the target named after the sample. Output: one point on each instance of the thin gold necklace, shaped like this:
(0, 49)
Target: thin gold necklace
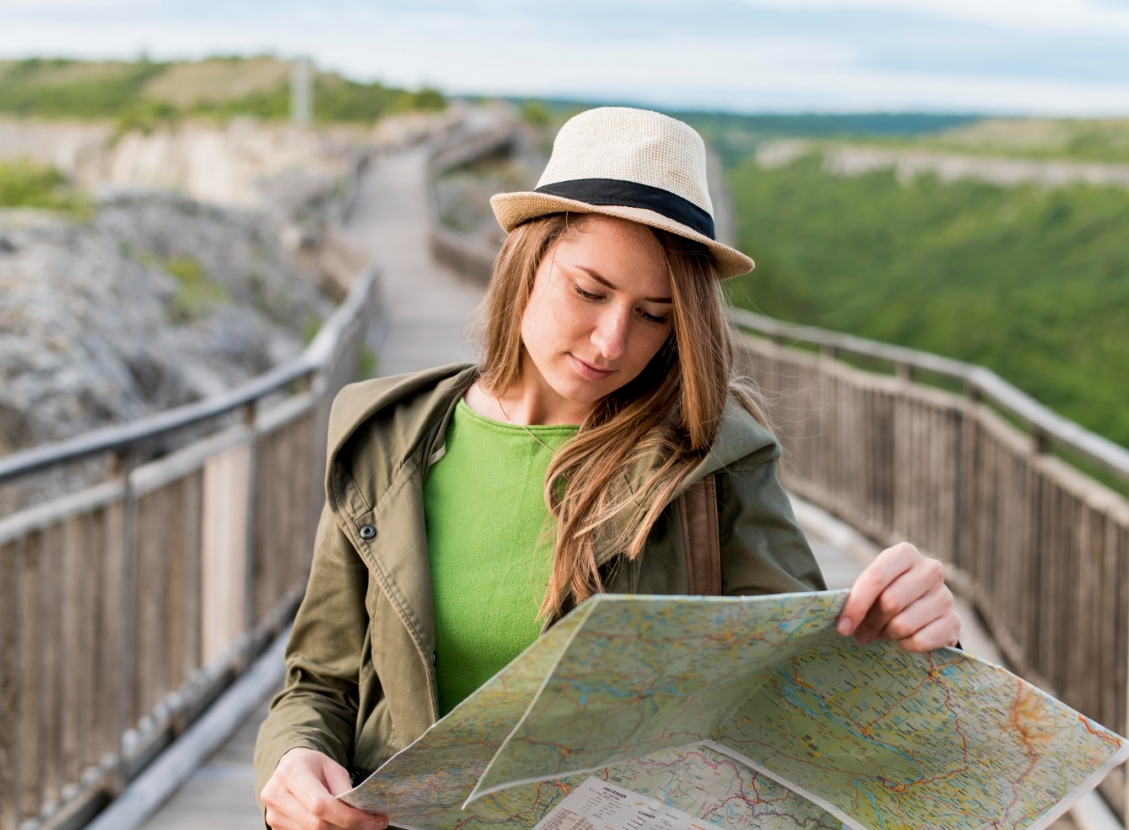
(523, 426)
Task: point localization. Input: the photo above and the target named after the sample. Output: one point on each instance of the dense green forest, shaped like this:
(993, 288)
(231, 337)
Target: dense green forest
(144, 93)
(1030, 281)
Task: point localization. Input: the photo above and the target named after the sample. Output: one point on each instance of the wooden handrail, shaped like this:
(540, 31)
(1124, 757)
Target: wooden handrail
(978, 382)
(127, 606)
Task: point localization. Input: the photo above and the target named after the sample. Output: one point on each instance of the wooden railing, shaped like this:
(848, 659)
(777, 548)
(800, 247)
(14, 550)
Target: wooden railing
(126, 607)
(468, 256)
(974, 479)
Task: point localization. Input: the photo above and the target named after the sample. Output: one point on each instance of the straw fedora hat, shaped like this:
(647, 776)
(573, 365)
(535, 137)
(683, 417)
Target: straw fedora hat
(631, 163)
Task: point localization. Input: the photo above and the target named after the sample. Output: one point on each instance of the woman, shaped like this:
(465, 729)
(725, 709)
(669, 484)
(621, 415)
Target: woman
(469, 507)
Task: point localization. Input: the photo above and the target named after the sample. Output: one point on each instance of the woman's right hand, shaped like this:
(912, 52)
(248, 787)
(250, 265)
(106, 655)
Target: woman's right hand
(302, 795)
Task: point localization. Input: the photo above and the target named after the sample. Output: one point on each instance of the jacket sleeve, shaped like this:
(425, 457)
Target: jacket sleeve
(317, 708)
(763, 550)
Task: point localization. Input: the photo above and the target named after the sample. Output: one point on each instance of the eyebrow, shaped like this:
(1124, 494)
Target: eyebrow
(596, 276)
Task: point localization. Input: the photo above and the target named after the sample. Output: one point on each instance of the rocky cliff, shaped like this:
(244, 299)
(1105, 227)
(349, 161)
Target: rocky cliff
(158, 300)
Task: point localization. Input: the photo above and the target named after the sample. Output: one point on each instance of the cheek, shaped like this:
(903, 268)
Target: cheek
(552, 323)
(647, 343)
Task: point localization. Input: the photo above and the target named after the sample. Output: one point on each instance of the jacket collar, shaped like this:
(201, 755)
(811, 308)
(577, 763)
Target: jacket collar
(420, 406)
(426, 398)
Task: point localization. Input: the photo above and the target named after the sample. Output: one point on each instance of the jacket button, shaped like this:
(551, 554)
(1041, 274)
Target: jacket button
(368, 532)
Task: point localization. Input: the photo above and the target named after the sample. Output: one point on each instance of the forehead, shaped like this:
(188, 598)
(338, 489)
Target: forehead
(626, 254)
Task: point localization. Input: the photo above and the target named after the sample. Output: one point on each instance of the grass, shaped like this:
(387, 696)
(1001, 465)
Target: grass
(197, 295)
(26, 184)
(59, 88)
(144, 94)
(310, 328)
(1031, 282)
(368, 363)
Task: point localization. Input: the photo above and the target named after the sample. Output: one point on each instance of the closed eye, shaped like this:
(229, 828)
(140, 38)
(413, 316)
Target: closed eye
(650, 318)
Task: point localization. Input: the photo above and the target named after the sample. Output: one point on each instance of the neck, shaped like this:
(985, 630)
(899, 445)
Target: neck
(530, 401)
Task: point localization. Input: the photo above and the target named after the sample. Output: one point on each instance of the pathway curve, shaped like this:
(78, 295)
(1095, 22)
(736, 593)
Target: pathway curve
(429, 310)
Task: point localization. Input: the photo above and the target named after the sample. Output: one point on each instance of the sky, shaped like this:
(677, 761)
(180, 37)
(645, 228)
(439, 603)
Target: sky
(1021, 57)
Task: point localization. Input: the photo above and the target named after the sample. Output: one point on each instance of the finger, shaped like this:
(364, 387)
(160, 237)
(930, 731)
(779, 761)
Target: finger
(935, 605)
(887, 566)
(925, 576)
(285, 813)
(323, 806)
(942, 632)
(337, 779)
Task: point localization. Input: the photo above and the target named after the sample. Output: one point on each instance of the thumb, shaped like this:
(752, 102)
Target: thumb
(336, 778)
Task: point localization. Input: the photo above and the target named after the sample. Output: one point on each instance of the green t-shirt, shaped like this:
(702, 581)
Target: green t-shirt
(490, 546)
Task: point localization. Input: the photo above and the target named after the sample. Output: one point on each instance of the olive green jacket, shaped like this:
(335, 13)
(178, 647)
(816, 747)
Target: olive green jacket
(360, 662)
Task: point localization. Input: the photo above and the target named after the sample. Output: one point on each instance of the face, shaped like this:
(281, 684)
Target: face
(599, 311)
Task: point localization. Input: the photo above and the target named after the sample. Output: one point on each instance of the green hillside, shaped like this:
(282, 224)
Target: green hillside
(1104, 140)
(734, 136)
(143, 93)
(1031, 282)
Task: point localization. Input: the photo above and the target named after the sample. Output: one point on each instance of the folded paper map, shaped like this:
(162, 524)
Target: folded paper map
(640, 712)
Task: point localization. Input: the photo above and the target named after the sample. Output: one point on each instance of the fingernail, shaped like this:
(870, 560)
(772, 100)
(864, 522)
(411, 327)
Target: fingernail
(843, 626)
(372, 825)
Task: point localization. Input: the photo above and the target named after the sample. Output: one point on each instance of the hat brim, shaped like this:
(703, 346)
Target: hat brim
(511, 209)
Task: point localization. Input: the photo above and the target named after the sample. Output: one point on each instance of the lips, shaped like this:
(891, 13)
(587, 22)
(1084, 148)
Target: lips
(589, 371)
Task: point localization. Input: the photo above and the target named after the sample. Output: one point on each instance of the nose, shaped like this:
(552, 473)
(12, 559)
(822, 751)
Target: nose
(610, 334)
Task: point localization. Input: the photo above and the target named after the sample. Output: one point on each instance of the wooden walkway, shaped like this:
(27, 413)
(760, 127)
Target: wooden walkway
(429, 321)
(429, 309)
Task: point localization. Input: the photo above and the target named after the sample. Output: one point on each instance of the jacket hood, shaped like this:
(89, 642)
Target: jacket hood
(425, 394)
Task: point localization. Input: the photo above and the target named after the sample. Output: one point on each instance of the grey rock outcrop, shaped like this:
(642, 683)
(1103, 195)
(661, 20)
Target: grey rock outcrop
(155, 302)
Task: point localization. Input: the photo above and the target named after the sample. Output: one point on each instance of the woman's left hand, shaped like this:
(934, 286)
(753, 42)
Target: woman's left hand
(901, 597)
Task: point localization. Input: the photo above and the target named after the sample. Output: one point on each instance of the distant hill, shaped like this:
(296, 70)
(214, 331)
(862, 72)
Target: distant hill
(734, 135)
(1031, 281)
(1077, 139)
(142, 93)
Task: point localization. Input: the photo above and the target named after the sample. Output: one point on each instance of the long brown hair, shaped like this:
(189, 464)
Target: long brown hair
(658, 427)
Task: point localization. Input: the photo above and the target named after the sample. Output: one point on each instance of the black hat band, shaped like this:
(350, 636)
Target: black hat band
(621, 193)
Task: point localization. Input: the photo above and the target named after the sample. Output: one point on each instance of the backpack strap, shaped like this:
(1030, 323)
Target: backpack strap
(697, 508)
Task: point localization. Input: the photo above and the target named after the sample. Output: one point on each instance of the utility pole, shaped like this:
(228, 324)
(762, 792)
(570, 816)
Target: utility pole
(301, 91)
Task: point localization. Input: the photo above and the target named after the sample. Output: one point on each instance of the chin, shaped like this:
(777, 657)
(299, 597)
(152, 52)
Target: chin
(581, 390)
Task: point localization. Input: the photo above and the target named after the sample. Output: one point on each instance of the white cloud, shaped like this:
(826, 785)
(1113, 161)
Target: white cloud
(515, 55)
(56, 5)
(1052, 16)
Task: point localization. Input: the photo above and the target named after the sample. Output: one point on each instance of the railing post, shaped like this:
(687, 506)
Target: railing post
(904, 372)
(249, 414)
(119, 466)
